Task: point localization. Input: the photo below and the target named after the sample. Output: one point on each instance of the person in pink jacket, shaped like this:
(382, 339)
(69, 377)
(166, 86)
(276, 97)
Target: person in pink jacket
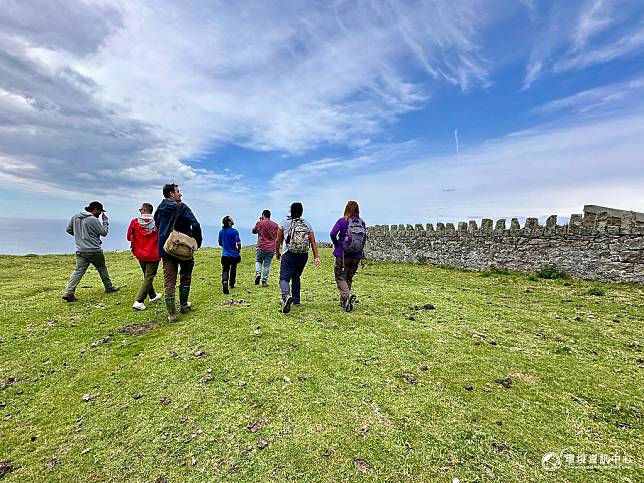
(266, 231)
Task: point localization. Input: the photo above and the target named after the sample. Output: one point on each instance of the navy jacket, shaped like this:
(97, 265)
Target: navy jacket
(186, 223)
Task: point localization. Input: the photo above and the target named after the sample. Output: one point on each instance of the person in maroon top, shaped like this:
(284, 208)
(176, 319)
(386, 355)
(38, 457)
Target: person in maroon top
(144, 241)
(266, 231)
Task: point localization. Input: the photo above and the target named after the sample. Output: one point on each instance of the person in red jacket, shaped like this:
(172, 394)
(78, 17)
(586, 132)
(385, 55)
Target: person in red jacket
(144, 238)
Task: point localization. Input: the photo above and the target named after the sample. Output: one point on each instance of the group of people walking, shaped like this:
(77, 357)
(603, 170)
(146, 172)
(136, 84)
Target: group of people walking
(172, 234)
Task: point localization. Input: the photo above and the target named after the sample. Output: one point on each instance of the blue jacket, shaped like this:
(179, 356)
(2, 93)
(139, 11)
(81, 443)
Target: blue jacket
(228, 238)
(186, 223)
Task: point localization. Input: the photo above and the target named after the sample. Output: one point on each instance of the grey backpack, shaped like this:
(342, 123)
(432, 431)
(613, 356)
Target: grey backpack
(356, 236)
(297, 240)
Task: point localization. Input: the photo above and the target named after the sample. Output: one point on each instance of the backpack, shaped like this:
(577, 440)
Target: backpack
(356, 236)
(297, 240)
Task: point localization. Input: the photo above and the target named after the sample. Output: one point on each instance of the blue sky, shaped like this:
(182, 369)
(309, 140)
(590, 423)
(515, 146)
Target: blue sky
(259, 104)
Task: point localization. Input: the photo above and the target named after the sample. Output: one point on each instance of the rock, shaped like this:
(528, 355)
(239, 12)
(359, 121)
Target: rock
(505, 382)
(88, 397)
(409, 378)
(51, 464)
(254, 426)
(5, 468)
(137, 396)
(262, 443)
(493, 342)
(200, 354)
(205, 379)
(469, 387)
(162, 479)
(486, 388)
(165, 401)
(85, 451)
(241, 383)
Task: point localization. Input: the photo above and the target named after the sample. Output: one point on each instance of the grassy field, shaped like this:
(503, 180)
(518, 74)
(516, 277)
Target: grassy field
(504, 369)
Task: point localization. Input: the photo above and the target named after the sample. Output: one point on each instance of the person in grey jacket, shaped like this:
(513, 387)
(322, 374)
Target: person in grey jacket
(87, 231)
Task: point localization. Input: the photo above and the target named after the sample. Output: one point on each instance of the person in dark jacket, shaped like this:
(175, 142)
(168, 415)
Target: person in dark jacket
(144, 242)
(186, 223)
(348, 235)
(87, 231)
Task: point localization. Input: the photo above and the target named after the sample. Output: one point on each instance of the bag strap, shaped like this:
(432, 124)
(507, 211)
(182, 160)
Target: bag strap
(291, 229)
(176, 215)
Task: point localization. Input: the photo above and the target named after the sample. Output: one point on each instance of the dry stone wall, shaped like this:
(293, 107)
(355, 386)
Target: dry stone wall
(594, 246)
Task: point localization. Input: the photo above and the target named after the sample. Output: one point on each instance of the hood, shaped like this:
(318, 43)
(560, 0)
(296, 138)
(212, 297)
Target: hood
(167, 206)
(147, 223)
(84, 214)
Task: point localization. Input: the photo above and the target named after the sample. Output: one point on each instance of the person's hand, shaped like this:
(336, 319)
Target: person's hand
(317, 262)
(104, 216)
(278, 255)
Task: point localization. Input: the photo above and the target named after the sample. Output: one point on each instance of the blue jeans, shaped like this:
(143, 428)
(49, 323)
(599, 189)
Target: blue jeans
(266, 258)
(290, 271)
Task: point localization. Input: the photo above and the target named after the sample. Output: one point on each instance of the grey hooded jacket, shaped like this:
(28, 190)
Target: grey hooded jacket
(87, 231)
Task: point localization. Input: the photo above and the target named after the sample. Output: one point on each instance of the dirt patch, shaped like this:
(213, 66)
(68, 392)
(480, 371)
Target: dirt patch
(506, 382)
(9, 381)
(363, 466)
(254, 426)
(525, 378)
(409, 378)
(423, 307)
(236, 303)
(138, 329)
(5, 467)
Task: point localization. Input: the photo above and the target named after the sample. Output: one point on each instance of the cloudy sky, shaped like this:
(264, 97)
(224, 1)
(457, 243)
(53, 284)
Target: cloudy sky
(421, 111)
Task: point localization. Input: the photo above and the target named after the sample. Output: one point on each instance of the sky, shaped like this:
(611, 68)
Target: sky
(422, 111)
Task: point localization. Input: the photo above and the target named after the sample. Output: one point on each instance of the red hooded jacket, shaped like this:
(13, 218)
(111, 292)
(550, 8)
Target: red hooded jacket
(144, 242)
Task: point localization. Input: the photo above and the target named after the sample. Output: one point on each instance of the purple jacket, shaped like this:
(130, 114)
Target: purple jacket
(338, 234)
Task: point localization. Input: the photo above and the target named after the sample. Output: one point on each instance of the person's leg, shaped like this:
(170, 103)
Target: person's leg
(225, 273)
(151, 272)
(268, 258)
(170, 269)
(145, 286)
(351, 266)
(185, 280)
(259, 257)
(340, 272)
(297, 273)
(98, 260)
(286, 272)
(82, 262)
(233, 272)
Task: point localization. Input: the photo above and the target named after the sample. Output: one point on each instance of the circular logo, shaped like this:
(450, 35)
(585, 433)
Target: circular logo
(551, 461)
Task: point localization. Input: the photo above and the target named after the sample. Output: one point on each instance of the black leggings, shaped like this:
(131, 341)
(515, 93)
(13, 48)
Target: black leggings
(229, 269)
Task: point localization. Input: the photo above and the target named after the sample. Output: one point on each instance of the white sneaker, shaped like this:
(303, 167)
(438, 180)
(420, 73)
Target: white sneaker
(138, 305)
(156, 299)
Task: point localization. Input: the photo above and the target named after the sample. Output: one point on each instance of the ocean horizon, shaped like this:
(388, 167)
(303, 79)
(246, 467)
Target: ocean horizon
(26, 236)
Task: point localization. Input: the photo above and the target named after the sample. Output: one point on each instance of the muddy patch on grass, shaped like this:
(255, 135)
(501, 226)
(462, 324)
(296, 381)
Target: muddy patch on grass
(5, 468)
(363, 466)
(138, 329)
(236, 303)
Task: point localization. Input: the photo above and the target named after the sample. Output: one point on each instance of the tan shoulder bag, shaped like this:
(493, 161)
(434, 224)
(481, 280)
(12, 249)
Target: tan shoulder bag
(178, 244)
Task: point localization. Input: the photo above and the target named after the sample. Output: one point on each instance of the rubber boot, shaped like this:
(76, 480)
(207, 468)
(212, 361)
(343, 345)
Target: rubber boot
(185, 305)
(172, 310)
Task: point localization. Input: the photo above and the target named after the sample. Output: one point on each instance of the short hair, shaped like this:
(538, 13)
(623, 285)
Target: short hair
(168, 189)
(296, 210)
(227, 221)
(266, 213)
(147, 207)
(351, 209)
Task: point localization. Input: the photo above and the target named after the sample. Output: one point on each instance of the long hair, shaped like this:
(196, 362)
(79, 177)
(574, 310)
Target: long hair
(226, 222)
(351, 209)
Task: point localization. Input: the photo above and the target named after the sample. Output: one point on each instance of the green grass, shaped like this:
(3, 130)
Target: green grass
(385, 384)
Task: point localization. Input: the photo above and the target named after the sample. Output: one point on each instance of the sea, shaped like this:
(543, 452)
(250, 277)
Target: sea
(20, 236)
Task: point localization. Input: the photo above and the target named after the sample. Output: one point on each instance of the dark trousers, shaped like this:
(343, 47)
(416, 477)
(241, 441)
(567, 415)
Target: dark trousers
(229, 269)
(83, 261)
(291, 270)
(149, 272)
(344, 273)
(171, 268)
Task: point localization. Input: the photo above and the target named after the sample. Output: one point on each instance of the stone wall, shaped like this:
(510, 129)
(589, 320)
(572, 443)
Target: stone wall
(593, 246)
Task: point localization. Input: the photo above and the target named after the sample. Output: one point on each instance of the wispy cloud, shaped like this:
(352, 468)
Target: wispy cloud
(576, 35)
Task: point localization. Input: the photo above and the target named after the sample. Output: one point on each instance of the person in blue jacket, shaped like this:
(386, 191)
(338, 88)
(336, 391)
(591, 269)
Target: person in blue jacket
(186, 223)
(230, 244)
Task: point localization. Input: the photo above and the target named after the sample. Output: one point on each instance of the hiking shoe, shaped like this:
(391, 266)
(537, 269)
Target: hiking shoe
(138, 305)
(258, 277)
(264, 284)
(286, 304)
(154, 300)
(232, 285)
(112, 289)
(185, 307)
(172, 318)
(69, 298)
(349, 305)
(225, 287)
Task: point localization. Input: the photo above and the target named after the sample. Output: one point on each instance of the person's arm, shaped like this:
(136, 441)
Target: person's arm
(70, 227)
(196, 227)
(237, 241)
(255, 229)
(104, 226)
(314, 246)
(335, 231)
(278, 243)
(130, 231)
(219, 239)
